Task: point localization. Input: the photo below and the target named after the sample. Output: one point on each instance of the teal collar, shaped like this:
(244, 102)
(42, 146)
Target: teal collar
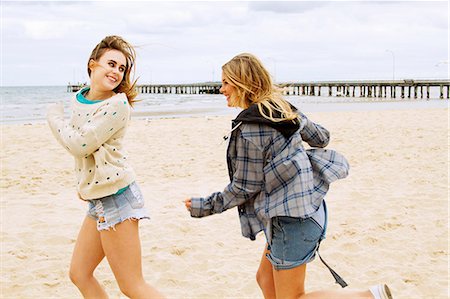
(83, 100)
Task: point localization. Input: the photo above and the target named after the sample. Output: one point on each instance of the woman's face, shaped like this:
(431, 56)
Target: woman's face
(228, 91)
(108, 71)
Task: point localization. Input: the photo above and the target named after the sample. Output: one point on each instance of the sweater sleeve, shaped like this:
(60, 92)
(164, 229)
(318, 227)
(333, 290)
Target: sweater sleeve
(83, 141)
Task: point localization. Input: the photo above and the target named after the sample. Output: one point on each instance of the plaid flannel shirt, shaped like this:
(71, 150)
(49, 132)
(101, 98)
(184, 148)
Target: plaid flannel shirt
(271, 175)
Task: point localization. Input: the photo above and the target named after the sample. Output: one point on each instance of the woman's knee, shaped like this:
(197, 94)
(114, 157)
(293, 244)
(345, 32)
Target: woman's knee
(263, 280)
(77, 277)
(131, 288)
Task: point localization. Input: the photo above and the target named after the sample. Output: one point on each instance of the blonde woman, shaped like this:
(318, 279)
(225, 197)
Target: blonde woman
(277, 186)
(94, 137)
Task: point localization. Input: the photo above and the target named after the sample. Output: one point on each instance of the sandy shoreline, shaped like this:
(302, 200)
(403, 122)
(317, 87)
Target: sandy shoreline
(388, 220)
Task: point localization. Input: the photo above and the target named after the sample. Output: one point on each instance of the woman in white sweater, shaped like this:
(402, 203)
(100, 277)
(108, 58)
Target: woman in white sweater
(93, 136)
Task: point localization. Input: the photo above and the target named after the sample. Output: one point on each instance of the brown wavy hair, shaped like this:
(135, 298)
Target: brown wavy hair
(253, 85)
(114, 42)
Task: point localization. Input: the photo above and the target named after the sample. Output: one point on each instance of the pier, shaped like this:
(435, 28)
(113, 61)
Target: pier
(75, 87)
(195, 88)
(407, 88)
(370, 89)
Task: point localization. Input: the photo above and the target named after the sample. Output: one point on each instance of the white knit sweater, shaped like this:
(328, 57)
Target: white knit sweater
(94, 135)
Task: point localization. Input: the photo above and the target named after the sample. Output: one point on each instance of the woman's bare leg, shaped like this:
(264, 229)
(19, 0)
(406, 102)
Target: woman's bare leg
(122, 248)
(264, 276)
(290, 284)
(88, 253)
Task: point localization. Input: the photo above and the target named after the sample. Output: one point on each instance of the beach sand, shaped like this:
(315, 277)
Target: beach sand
(388, 221)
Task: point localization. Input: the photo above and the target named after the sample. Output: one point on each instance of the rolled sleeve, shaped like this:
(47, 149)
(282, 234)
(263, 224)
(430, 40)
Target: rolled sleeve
(200, 207)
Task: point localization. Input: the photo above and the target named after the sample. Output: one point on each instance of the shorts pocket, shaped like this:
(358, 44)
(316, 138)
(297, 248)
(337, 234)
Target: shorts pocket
(134, 196)
(311, 230)
(294, 241)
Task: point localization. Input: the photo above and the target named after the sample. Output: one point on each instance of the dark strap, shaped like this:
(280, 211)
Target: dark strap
(336, 276)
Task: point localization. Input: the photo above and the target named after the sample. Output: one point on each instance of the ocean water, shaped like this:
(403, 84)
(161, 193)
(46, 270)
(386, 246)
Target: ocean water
(27, 104)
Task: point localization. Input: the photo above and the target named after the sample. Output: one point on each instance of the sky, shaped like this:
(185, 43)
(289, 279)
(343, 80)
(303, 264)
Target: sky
(49, 42)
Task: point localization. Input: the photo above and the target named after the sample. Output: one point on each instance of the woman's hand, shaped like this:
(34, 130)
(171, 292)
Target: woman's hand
(188, 203)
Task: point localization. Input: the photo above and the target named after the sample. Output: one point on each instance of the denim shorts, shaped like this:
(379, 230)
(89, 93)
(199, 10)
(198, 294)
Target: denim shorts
(294, 241)
(114, 209)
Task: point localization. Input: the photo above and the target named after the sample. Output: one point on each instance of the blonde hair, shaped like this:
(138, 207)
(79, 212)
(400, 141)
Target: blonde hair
(253, 85)
(114, 42)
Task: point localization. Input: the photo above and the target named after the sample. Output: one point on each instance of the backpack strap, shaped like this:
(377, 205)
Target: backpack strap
(336, 276)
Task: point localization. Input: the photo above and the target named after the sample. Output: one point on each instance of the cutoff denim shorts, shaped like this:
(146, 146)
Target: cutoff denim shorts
(294, 241)
(114, 209)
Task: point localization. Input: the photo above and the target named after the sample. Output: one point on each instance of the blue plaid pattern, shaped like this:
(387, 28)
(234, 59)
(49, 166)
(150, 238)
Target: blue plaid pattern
(274, 176)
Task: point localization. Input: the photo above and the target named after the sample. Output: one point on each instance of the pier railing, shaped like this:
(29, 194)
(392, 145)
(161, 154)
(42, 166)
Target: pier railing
(370, 89)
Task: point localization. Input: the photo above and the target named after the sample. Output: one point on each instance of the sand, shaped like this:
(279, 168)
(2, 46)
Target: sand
(388, 221)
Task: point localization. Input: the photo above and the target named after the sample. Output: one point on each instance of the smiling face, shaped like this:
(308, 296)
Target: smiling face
(108, 72)
(229, 91)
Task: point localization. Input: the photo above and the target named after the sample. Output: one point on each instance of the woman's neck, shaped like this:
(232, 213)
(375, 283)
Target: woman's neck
(97, 95)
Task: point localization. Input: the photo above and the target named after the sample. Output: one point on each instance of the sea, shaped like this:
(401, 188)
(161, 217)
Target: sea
(28, 104)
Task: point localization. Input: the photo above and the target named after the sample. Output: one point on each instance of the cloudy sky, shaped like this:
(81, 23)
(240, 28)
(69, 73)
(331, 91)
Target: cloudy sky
(48, 43)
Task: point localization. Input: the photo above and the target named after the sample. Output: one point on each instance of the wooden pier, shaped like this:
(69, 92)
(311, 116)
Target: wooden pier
(75, 87)
(369, 89)
(195, 88)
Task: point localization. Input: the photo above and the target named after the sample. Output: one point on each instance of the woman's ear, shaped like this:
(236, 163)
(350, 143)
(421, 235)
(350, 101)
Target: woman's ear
(91, 63)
